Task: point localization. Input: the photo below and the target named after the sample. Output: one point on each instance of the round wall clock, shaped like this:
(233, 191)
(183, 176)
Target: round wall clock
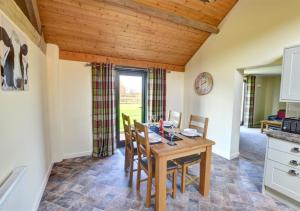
(203, 83)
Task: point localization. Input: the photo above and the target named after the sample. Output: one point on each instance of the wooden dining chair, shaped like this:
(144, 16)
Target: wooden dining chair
(200, 124)
(175, 117)
(146, 162)
(130, 147)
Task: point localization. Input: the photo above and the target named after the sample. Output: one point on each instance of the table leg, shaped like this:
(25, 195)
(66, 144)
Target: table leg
(160, 183)
(262, 127)
(205, 167)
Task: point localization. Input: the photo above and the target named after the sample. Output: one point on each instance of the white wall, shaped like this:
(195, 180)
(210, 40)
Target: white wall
(254, 33)
(22, 135)
(76, 104)
(175, 92)
(53, 112)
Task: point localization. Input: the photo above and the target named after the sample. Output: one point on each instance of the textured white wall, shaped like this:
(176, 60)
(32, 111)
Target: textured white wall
(23, 135)
(76, 104)
(175, 92)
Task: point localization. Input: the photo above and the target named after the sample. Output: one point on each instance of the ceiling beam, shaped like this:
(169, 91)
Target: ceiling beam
(34, 15)
(157, 13)
(83, 57)
(15, 14)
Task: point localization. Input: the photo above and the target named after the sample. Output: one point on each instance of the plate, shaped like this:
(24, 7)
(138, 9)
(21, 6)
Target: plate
(154, 141)
(167, 124)
(189, 134)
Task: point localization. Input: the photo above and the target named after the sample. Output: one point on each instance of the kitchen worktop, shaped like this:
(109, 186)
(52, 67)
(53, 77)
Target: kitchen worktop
(284, 135)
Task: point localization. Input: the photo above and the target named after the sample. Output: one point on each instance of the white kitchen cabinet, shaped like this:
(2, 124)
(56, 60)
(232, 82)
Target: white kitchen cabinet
(282, 171)
(290, 80)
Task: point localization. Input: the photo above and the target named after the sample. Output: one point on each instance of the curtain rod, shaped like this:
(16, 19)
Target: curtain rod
(121, 66)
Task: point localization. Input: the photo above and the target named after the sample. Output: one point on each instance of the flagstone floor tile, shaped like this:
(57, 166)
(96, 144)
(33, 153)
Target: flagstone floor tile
(89, 184)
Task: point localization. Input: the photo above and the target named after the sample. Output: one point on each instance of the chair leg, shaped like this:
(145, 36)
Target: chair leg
(138, 180)
(183, 174)
(149, 187)
(126, 160)
(131, 169)
(174, 184)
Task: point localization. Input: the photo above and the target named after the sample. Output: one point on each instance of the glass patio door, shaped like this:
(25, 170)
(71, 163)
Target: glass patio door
(130, 98)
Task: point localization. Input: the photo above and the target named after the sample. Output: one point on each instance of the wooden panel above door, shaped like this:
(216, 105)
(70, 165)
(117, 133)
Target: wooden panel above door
(116, 29)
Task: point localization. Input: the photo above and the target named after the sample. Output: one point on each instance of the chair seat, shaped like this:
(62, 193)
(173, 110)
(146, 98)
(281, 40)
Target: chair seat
(188, 159)
(170, 165)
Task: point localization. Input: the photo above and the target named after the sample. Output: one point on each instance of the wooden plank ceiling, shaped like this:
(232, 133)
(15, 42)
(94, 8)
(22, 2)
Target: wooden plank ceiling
(106, 28)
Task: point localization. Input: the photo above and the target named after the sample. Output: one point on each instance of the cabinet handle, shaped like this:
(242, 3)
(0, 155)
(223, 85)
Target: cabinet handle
(294, 163)
(295, 149)
(293, 173)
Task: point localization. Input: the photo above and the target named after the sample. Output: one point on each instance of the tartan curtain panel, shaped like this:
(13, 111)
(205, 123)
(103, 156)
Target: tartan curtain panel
(249, 104)
(103, 109)
(157, 93)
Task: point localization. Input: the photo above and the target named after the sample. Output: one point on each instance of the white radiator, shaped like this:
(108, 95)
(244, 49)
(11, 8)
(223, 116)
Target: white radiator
(10, 182)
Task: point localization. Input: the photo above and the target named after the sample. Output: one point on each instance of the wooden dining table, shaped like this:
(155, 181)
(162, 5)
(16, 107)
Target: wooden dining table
(187, 146)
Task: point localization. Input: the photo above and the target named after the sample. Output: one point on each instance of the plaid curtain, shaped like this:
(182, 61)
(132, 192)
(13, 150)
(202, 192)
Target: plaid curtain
(157, 93)
(249, 104)
(103, 110)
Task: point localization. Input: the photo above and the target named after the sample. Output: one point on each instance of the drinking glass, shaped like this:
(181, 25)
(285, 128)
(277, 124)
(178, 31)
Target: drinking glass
(172, 135)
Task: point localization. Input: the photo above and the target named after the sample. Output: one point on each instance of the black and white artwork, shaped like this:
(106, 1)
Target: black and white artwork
(13, 57)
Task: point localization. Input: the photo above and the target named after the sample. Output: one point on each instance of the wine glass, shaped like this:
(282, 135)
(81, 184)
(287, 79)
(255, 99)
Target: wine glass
(154, 119)
(172, 134)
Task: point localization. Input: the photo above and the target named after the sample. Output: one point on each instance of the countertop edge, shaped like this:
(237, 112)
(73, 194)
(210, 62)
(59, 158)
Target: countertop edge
(291, 137)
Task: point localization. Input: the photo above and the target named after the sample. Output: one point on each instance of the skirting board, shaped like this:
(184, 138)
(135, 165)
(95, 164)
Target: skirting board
(45, 180)
(226, 156)
(77, 154)
(282, 198)
(42, 189)
(235, 155)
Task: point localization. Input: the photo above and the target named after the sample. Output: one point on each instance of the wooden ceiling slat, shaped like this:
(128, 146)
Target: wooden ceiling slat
(156, 12)
(94, 27)
(88, 13)
(137, 41)
(122, 52)
(120, 33)
(181, 9)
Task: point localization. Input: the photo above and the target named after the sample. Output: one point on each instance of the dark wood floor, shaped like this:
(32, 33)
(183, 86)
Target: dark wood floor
(91, 184)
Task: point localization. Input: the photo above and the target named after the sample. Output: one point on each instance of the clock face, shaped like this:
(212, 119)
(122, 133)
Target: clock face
(203, 83)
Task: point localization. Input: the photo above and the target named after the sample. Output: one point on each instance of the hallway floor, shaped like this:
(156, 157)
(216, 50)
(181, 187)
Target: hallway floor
(93, 184)
(253, 145)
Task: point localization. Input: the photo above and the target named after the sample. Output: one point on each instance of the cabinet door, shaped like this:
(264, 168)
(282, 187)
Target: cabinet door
(284, 179)
(290, 81)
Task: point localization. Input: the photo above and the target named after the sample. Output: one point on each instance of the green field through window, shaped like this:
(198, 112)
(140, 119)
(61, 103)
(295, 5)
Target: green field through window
(132, 110)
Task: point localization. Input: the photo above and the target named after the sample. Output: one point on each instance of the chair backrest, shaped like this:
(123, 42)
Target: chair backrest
(199, 123)
(128, 132)
(141, 132)
(175, 117)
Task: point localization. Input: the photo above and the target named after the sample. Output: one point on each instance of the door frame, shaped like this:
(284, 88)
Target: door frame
(129, 71)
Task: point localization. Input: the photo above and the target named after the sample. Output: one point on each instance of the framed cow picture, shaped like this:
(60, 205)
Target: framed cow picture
(13, 57)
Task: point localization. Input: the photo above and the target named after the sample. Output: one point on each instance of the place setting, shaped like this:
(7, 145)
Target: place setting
(190, 133)
(162, 129)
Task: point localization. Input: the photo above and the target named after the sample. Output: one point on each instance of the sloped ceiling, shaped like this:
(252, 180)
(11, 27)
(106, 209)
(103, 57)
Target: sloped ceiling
(105, 28)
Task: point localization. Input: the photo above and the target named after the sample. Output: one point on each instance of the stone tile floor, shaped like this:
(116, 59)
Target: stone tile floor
(101, 184)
